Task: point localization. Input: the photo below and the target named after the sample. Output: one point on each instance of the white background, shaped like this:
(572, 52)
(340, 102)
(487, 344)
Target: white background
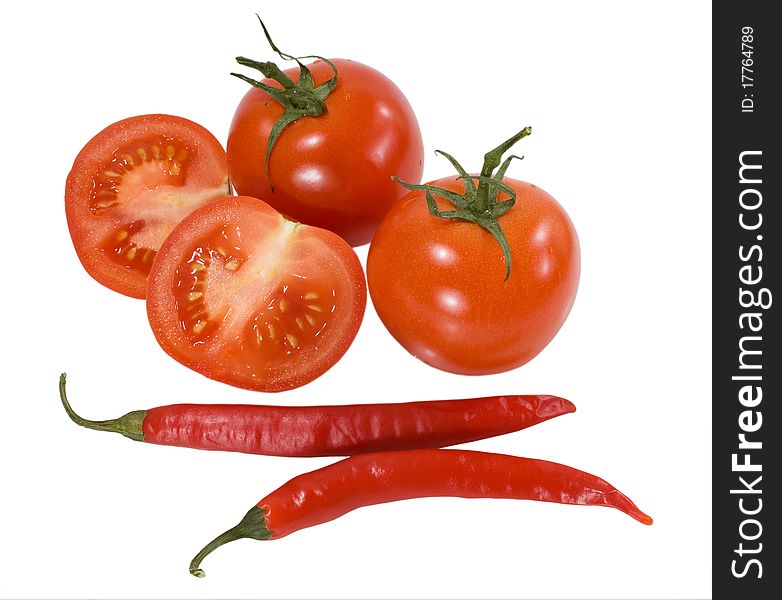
(618, 95)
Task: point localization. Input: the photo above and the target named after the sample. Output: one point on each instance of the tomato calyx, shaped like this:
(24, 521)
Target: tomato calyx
(478, 204)
(302, 99)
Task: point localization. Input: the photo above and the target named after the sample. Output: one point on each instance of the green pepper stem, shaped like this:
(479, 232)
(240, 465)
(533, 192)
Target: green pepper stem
(252, 526)
(129, 425)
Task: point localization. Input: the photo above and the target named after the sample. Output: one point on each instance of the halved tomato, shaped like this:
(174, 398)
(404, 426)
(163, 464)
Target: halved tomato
(243, 295)
(130, 185)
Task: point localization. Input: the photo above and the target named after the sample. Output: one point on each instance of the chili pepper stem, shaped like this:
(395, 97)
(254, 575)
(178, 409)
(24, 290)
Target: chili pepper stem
(128, 425)
(252, 526)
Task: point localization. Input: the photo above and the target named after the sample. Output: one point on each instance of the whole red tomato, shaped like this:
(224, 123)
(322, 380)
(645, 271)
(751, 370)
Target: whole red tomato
(331, 166)
(439, 284)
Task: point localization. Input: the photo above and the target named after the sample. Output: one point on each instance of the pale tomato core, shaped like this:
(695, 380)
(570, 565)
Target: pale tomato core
(126, 185)
(225, 287)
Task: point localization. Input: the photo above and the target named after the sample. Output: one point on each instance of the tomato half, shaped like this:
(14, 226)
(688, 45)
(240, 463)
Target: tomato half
(130, 185)
(439, 285)
(334, 170)
(243, 295)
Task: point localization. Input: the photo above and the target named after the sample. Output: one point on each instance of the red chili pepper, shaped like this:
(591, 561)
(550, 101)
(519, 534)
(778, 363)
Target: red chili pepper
(329, 430)
(330, 492)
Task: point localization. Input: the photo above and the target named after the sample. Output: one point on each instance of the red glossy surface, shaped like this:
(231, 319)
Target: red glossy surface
(345, 429)
(367, 479)
(333, 171)
(439, 285)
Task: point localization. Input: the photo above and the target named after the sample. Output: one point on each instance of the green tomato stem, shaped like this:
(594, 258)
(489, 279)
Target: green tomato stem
(302, 99)
(478, 204)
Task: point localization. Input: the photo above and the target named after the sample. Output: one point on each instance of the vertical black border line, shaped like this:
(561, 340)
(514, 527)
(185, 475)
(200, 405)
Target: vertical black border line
(746, 267)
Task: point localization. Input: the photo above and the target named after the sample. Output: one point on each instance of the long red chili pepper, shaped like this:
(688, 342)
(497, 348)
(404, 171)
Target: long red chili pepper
(329, 430)
(330, 492)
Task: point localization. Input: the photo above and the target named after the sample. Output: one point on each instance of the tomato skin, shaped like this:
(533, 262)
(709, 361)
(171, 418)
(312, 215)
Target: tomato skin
(297, 255)
(205, 177)
(439, 285)
(334, 170)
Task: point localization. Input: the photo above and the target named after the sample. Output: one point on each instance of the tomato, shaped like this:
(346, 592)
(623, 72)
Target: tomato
(130, 185)
(439, 285)
(243, 295)
(332, 170)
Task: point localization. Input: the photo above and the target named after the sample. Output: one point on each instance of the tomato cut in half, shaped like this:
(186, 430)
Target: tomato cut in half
(243, 295)
(128, 188)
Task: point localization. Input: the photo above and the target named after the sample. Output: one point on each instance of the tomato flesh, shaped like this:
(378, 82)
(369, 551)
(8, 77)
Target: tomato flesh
(245, 296)
(291, 317)
(128, 188)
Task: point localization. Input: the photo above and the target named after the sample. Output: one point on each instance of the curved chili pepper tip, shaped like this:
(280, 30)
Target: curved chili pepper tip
(627, 506)
(643, 518)
(554, 406)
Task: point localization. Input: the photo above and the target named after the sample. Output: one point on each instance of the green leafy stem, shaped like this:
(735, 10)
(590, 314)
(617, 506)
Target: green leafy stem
(479, 203)
(299, 99)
